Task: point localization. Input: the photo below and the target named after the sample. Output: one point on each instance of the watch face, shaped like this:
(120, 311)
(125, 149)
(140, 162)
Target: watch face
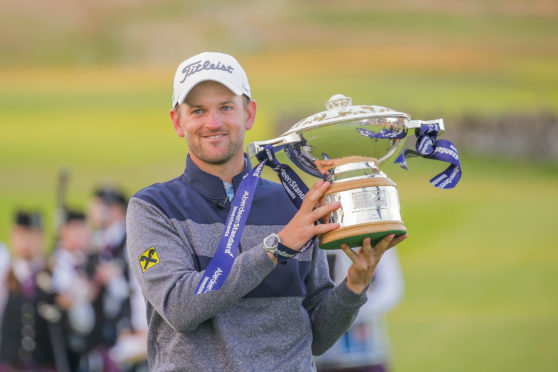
(271, 241)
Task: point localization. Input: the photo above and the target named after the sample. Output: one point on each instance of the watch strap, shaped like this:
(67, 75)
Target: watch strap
(283, 253)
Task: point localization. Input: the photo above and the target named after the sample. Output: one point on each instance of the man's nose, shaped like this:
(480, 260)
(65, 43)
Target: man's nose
(213, 119)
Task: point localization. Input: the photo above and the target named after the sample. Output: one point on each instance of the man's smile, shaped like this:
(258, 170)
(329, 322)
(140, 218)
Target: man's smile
(213, 137)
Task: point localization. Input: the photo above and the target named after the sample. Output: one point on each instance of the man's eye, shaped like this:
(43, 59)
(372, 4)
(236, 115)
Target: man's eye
(226, 108)
(197, 111)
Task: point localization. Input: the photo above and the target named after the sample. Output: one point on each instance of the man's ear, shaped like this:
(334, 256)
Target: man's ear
(251, 114)
(175, 118)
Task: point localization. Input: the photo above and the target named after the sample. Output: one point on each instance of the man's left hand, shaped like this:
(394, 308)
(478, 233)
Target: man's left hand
(365, 259)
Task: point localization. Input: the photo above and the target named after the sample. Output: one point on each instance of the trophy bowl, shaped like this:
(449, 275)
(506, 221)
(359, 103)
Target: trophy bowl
(346, 146)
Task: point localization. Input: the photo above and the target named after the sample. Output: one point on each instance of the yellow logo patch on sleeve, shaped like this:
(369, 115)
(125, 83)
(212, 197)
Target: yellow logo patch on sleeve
(148, 259)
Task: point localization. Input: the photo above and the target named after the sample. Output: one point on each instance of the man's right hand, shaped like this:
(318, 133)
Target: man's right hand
(301, 227)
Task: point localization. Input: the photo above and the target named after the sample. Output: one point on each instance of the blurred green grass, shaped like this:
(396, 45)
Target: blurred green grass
(480, 269)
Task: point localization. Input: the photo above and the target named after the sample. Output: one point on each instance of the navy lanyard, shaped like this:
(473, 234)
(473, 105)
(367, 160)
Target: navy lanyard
(220, 266)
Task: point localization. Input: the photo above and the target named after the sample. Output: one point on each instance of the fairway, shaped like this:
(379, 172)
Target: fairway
(480, 271)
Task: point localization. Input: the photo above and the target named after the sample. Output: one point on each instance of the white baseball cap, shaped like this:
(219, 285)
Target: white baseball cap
(205, 66)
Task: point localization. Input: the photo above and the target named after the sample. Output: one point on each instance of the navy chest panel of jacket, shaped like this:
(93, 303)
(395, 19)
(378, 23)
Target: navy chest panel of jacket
(177, 200)
(271, 207)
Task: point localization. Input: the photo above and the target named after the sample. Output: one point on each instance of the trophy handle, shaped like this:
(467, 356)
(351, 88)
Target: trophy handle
(412, 124)
(256, 147)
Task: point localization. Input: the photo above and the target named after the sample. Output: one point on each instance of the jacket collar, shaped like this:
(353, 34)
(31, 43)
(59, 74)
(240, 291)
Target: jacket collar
(209, 186)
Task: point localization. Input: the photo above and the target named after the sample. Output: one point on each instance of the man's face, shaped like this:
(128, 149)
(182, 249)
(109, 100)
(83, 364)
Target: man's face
(98, 213)
(26, 242)
(74, 236)
(213, 119)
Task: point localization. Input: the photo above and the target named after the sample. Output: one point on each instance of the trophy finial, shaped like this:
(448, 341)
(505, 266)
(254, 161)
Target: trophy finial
(338, 101)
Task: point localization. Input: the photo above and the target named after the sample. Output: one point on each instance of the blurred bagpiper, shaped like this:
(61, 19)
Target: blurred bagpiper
(25, 343)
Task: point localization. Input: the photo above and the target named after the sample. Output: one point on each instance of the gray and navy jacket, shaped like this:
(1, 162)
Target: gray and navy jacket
(265, 317)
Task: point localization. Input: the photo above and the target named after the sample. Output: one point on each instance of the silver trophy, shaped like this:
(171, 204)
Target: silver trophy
(346, 145)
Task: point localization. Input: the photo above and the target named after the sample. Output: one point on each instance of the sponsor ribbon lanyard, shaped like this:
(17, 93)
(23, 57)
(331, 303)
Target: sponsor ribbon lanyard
(218, 269)
(430, 147)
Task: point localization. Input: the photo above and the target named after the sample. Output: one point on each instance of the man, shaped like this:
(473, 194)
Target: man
(26, 340)
(107, 262)
(121, 324)
(73, 292)
(265, 317)
(107, 216)
(365, 346)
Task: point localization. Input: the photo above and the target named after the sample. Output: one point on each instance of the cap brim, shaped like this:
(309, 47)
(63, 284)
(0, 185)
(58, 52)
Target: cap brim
(203, 77)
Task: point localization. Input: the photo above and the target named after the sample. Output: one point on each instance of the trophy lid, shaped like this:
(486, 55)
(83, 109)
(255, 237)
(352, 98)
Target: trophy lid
(341, 109)
(343, 131)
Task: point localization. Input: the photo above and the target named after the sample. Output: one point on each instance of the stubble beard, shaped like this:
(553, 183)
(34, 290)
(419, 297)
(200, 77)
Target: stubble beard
(219, 159)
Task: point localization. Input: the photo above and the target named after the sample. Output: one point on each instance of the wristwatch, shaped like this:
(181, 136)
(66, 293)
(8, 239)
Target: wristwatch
(272, 244)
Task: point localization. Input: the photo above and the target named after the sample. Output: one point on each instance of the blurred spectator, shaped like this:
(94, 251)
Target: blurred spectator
(364, 347)
(74, 292)
(107, 216)
(124, 326)
(26, 340)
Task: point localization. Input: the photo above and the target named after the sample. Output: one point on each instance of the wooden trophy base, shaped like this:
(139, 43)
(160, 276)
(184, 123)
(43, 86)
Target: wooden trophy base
(353, 235)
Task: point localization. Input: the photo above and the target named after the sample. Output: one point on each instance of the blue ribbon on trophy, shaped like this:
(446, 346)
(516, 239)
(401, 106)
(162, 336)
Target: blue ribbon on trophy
(220, 265)
(427, 146)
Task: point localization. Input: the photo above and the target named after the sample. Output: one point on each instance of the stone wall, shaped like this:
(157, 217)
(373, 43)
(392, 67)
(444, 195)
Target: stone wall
(519, 136)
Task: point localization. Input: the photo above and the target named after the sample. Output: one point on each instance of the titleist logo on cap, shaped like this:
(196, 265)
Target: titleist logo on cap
(198, 66)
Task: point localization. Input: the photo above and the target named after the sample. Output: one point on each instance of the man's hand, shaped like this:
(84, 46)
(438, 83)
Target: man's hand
(301, 227)
(365, 259)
